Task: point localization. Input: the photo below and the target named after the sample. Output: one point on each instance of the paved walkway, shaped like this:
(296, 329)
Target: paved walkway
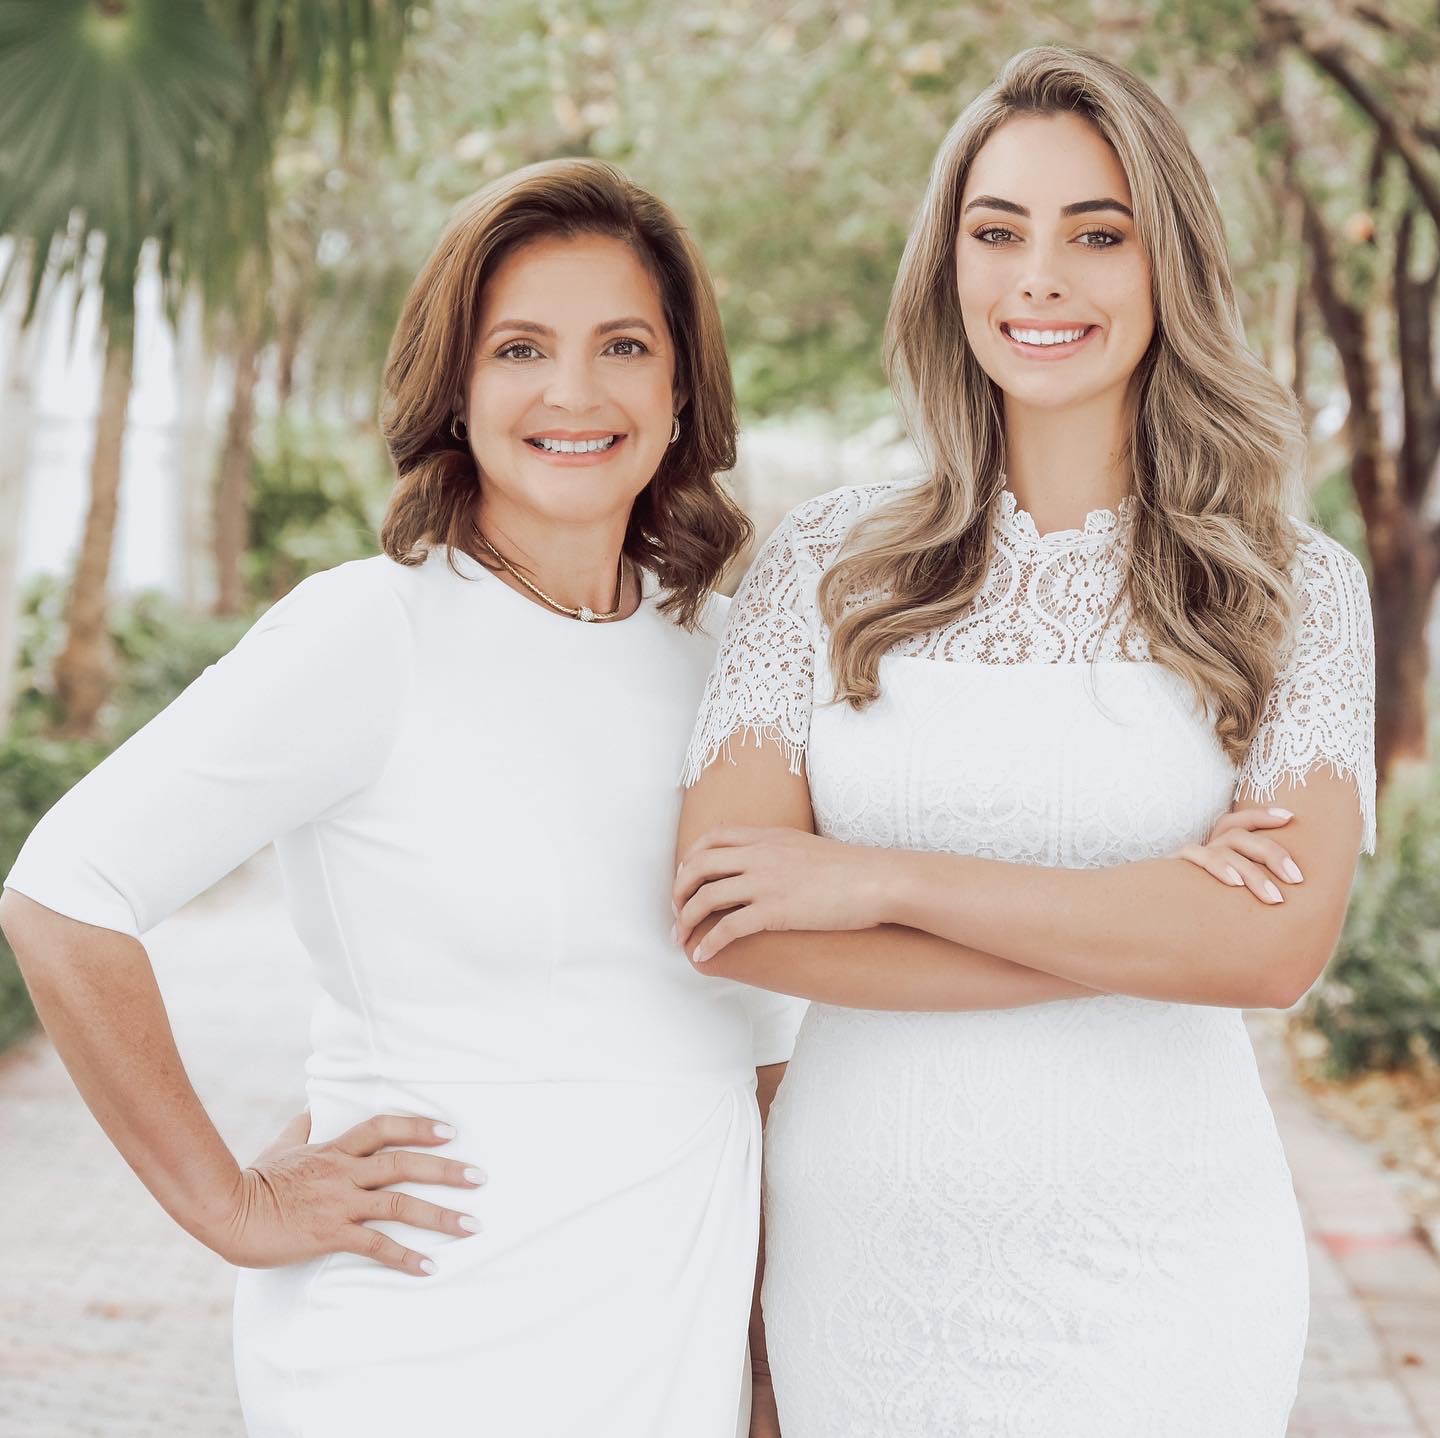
(114, 1324)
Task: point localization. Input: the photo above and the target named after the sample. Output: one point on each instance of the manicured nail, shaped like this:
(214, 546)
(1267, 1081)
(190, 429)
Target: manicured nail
(1273, 894)
(443, 1130)
(470, 1225)
(674, 933)
(427, 1265)
(1282, 813)
(1232, 875)
(475, 1175)
(1291, 870)
(700, 956)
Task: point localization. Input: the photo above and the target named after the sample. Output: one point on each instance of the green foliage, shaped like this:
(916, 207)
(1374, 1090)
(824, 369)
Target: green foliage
(317, 499)
(1378, 1004)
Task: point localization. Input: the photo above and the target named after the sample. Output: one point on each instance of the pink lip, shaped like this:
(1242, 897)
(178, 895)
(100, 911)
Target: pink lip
(1046, 352)
(580, 460)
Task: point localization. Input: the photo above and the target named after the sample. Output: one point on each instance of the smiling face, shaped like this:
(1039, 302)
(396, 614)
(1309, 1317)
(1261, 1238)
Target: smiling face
(1053, 283)
(569, 403)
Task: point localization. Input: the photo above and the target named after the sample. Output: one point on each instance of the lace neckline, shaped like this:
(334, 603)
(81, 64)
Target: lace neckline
(1099, 523)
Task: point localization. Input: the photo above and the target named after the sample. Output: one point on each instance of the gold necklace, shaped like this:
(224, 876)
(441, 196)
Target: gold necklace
(584, 613)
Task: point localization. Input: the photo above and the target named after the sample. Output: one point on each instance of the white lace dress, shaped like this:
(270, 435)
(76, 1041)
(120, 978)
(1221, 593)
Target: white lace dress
(1072, 1220)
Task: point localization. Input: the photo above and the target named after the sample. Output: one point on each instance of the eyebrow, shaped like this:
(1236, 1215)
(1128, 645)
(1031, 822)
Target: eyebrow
(1080, 207)
(533, 327)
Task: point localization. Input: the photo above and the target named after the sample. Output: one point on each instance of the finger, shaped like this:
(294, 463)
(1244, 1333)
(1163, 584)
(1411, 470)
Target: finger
(1257, 880)
(1252, 817)
(396, 1207)
(726, 836)
(386, 1129)
(1269, 853)
(735, 925)
(371, 1243)
(1215, 864)
(710, 899)
(712, 864)
(399, 1165)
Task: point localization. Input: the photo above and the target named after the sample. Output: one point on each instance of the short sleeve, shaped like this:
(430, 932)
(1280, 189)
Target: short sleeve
(1320, 712)
(774, 1022)
(762, 685)
(296, 718)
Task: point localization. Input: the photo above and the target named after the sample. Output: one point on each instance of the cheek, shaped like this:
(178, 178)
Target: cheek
(1128, 300)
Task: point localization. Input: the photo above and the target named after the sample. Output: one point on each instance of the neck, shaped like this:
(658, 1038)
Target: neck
(575, 564)
(1064, 463)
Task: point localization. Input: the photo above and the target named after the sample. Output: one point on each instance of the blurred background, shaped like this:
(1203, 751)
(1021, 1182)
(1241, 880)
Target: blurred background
(210, 211)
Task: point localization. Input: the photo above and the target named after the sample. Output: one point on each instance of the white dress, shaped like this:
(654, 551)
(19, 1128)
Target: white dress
(474, 804)
(1072, 1220)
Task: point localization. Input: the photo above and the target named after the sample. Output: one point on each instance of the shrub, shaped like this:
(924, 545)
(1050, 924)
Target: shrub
(1378, 1004)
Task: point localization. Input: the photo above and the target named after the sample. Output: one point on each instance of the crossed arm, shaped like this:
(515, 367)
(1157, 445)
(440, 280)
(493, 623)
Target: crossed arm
(763, 900)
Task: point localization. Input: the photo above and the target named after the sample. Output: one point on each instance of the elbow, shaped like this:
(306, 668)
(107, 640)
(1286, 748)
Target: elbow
(1281, 981)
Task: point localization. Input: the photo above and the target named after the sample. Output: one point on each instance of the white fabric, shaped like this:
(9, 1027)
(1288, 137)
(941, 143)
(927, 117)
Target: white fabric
(474, 804)
(1073, 1218)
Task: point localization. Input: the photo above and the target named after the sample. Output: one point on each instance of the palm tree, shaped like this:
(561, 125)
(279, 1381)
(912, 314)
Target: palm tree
(108, 108)
(136, 126)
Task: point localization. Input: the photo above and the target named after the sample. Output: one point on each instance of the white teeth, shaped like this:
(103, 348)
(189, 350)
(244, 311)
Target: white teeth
(1045, 337)
(574, 446)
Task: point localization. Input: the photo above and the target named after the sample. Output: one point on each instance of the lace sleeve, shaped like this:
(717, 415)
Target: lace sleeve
(1321, 710)
(762, 685)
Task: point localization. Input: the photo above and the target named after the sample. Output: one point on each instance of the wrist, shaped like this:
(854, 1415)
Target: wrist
(889, 880)
(213, 1218)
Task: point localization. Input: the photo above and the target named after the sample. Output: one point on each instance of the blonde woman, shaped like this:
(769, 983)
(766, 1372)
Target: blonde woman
(525, 1198)
(1021, 1178)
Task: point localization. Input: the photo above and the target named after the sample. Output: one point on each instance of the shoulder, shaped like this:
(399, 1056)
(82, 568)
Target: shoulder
(353, 615)
(816, 529)
(1330, 581)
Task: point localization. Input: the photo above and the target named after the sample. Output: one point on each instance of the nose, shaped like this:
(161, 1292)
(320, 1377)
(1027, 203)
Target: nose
(1042, 287)
(571, 386)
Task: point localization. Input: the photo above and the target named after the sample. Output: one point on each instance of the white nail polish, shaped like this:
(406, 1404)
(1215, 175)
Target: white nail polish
(1232, 875)
(444, 1130)
(1292, 871)
(1282, 813)
(470, 1225)
(475, 1175)
(427, 1265)
(1272, 893)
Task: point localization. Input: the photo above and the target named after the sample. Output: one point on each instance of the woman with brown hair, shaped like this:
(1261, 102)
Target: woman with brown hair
(465, 750)
(1021, 1177)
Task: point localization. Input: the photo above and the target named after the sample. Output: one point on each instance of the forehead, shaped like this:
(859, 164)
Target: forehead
(1046, 161)
(580, 276)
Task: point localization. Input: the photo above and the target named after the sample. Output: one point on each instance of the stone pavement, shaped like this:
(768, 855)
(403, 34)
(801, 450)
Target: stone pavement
(115, 1324)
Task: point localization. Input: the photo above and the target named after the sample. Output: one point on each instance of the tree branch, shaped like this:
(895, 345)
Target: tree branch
(1330, 58)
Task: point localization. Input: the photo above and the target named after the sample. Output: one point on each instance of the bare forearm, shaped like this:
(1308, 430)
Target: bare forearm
(890, 967)
(95, 993)
(1158, 929)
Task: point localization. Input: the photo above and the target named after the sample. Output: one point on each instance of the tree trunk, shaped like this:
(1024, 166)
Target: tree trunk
(195, 372)
(17, 428)
(84, 670)
(232, 489)
(1404, 563)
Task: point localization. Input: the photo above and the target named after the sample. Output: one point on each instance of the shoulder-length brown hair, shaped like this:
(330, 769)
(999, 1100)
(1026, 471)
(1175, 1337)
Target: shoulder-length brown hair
(683, 526)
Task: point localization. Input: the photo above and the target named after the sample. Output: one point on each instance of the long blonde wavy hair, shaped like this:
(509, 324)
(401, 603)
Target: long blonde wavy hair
(1215, 449)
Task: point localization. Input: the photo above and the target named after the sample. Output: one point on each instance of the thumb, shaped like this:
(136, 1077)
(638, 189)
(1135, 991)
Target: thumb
(295, 1133)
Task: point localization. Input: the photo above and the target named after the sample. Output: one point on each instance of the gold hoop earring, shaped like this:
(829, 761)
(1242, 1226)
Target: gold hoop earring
(460, 429)
(675, 430)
